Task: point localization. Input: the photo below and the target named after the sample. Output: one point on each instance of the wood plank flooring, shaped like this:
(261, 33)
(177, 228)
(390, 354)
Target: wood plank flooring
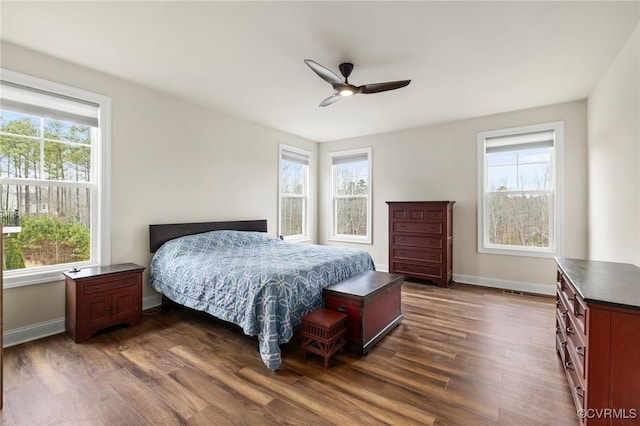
(464, 355)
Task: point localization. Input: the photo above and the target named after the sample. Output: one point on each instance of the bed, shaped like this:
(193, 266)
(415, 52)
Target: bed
(236, 272)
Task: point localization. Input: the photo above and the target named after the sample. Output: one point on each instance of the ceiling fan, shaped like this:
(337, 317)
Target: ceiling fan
(342, 89)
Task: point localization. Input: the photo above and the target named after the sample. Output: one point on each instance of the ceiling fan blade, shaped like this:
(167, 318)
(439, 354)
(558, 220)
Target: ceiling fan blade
(383, 87)
(330, 100)
(325, 74)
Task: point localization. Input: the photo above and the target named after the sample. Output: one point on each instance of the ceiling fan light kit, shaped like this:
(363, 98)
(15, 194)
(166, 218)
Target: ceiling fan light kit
(343, 89)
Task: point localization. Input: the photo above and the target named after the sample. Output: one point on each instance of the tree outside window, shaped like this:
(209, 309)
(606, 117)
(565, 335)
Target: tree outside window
(351, 200)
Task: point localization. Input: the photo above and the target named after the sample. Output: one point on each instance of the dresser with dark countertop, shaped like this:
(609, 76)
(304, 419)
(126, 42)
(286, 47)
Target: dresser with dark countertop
(598, 338)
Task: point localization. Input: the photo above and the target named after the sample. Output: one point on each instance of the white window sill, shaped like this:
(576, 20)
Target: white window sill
(350, 239)
(297, 239)
(14, 279)
(518, 252)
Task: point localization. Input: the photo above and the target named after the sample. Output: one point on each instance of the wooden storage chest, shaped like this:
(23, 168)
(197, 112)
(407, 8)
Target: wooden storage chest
(372, 302)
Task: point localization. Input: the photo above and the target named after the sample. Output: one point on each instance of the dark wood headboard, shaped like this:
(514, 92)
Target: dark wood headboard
(159, 234)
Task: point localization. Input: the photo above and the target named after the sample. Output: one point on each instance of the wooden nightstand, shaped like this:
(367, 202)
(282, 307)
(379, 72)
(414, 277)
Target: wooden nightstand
(101, 297)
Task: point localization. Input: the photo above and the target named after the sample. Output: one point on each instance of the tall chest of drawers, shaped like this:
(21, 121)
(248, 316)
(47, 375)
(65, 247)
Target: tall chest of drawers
(598, 338)
(421, 239)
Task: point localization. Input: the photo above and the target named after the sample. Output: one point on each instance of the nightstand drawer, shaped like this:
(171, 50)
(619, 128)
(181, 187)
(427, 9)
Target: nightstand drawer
(97, 286)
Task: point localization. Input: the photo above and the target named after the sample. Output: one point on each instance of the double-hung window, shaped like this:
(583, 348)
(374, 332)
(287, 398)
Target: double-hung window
(350, 217)
(520, 190)
(54, 176)
(294, 193)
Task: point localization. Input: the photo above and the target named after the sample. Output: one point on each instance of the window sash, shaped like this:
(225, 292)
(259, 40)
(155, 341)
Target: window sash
(94, 110)
(342, 158)
(302, 157)
(547, 135)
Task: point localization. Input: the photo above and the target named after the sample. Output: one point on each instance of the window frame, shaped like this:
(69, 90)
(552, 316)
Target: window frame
(306, 196)
(557, 192)
(333, 235)
(101, 191)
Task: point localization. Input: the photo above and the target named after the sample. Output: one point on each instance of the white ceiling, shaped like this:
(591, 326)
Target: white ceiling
(465, 59)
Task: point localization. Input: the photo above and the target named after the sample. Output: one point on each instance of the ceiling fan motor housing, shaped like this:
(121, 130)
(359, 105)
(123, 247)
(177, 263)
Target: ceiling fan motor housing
(345, 70)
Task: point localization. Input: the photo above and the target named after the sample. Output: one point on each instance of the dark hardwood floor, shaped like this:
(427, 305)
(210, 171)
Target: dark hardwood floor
(462, 356)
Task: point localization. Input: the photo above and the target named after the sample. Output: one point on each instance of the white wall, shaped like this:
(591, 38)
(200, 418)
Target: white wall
(439, 163)
(614, 159)
(172, 161)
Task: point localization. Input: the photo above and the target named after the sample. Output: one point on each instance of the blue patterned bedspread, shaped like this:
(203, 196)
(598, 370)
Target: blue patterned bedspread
(254, 280)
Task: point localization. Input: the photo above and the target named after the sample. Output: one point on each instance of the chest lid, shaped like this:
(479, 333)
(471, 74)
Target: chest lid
(364, 286)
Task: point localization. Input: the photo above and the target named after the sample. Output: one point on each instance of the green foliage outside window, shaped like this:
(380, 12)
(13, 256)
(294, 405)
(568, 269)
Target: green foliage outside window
(46, 241)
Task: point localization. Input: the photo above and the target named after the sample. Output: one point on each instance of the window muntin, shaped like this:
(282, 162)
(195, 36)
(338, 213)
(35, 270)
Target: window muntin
(54, 161)
(351, 196)
(294, 193)
(520, 190)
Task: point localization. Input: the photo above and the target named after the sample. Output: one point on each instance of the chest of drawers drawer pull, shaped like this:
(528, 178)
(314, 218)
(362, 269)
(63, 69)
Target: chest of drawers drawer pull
(580, 350)
(568, 365)
(578, 390)
(570, 330)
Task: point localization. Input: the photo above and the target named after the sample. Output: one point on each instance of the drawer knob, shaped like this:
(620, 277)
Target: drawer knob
(568, 365)
(570, 330)
(580, 350)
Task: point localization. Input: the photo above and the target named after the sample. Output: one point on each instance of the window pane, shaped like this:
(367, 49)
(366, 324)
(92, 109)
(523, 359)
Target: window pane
(351, 216)
(19, 157)
(19, 124)
(519, 170)
(292, 216)
(67, 162)
(501, 158)
(45, 225)
(292, 177)
(352, 178)
(502, 178)
(519, 219)
(65, 131)
(535, 176)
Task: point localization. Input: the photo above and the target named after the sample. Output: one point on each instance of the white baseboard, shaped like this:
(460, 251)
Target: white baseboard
(526, 287)
(151, 301)
(49, 328)
(382, 267)
(32, 332)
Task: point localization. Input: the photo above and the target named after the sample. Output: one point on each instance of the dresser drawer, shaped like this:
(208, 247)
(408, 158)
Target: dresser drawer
(419, 227)
(97, 286)
(576, 350)
(576, 308)
(417, 240)
(576, 384)
(401, 253)
(425, 271)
